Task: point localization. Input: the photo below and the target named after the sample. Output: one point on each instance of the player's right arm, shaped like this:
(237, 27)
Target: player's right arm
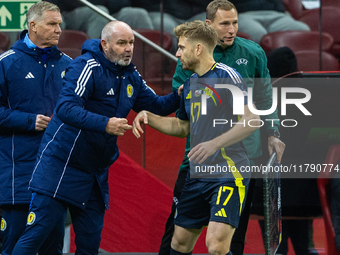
(174, 126)
(167, 125)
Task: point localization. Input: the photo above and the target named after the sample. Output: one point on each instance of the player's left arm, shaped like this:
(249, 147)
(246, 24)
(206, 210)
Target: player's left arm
(236, 134)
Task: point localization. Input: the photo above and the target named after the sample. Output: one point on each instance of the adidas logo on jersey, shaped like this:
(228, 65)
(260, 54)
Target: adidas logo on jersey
(111, 92)
(221, 213)
(29, 76)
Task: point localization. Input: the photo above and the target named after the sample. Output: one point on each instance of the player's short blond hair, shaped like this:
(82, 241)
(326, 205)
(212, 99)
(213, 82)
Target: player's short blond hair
(197, 31)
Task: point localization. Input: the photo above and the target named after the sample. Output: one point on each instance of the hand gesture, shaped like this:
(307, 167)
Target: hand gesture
(277, 145)
(141, 117)
(41, 122)
(180, 90)
(201, 152)
(117, 126)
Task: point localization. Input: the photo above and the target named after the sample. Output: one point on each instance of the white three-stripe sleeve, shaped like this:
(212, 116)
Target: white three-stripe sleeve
(233, 75)
(84, 77)
(6, 54)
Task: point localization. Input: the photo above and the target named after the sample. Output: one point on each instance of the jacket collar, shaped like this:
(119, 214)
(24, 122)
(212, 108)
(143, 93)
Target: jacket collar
(36, 54)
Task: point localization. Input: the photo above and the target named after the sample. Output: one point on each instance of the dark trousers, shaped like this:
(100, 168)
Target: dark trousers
(15, 219)
(49, 212)
(13, 224)
(237, 243)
